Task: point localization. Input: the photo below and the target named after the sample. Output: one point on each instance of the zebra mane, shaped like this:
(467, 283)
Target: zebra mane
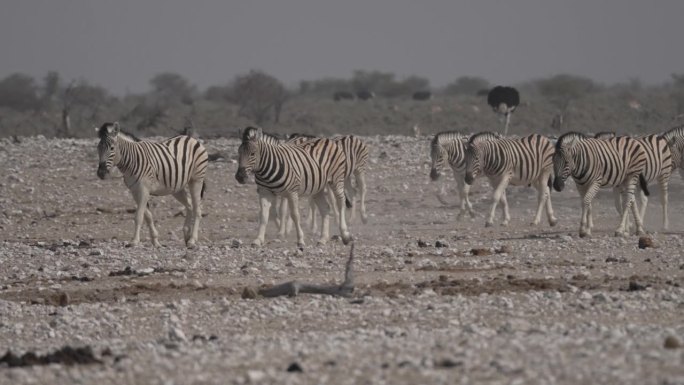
(104, 131)
(605, 135)
(300, 135)
(672, 133)
(569, 135)
(484, 135)
(251, 132)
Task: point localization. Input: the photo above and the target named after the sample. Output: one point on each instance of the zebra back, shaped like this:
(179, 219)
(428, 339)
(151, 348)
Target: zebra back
(605, 161)
(526, 158)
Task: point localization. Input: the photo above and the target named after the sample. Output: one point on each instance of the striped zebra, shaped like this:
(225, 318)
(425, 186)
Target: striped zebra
(675, 140)
(658, 168)
(294, 170)
(356, 155)
(523, 161)
(599, 163)
(175, 166)
(449, 147)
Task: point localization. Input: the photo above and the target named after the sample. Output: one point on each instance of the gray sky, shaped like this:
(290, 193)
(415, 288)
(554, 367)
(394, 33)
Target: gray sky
(121, 44)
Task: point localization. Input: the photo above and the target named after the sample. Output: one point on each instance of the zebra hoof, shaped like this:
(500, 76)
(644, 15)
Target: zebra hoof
(156, 243)
(301, 245)
(346, 239)
(584, 234)
(191, 244)
(489, 224)
(620, 233)
(364, 219)
(553, 222)
(257, 242)
(133, 244)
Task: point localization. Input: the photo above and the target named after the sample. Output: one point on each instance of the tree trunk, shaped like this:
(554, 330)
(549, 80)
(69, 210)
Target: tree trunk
(66, 123)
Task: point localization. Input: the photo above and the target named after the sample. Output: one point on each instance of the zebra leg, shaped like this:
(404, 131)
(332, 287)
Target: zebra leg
(361, 186)
(321, 201)
(541, 199)
(182, 197)
(629, 203)
(154, 234)
(549, 207)
(196, 200)
(504, 209)
(664, 198)
(293, 200)
(339, 195)
(499, 191)
(284, 218)
(141, 196)
(312, 215)
(644, 202)
(587, 194)
(266, 200)
(350, 193)
(274, 210)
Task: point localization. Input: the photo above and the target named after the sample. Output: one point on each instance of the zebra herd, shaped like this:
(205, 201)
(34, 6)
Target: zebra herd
(321, 168)
(604, 161)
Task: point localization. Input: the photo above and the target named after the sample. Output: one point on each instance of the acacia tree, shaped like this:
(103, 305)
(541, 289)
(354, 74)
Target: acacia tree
(19, 92)
(257, 94)
(466, 85)
(82, 96)
(561, 90)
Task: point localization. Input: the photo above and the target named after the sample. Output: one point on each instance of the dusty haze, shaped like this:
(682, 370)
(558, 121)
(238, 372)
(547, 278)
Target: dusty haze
(121, 45)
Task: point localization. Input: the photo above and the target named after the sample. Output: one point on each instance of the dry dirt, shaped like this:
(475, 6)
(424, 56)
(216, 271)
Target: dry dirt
(516, 304)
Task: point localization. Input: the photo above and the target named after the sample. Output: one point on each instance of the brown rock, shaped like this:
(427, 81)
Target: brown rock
(249, 293)
(646, 242)
(481, 252)
(504, 249)
(63, 299)
(671, 342)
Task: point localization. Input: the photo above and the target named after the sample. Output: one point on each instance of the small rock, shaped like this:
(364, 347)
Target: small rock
(481, 252)
(611, 259)
(96, 252)
(447, 363)
(671, 342)
(422, 243)
(255, 375)
(635, 286)
(63, 299)
(236, 244)
(294, 368)
(441, 244)
(504, 249)
(176, 334)
(646, 242)
(249, 293)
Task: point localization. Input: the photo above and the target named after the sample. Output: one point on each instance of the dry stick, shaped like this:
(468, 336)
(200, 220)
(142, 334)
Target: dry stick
(293, 288)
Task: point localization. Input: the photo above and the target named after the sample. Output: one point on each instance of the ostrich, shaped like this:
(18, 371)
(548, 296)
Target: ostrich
(504, 100)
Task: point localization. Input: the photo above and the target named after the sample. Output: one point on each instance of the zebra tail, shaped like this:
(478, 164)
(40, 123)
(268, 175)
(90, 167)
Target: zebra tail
(550, 182)
(644, 185)
(347, 202)
(204, 189)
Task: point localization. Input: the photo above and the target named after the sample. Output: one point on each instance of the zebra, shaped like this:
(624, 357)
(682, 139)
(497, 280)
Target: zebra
(450, 147)
(294, 170)
(356, 154)
(658, 168)
(675, 140)
(175, 166)
(597, 163)
(523, 161)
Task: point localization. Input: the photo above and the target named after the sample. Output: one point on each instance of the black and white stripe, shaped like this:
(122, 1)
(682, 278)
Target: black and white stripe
(599, 163)
(293, 170)
(449, 148)
(520, 162)
(658, 168)
(175, 166)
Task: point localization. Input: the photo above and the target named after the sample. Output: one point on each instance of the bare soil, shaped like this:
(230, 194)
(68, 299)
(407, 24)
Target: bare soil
(515, 304)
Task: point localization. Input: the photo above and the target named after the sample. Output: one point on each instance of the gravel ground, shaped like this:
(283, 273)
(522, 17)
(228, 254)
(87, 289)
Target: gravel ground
(513, 305)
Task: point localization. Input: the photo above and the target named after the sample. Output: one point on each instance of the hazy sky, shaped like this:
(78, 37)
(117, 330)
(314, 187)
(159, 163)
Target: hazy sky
(121, 44)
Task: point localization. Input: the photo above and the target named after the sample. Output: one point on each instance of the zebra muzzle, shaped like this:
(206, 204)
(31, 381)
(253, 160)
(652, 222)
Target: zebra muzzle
(469, 179)
(558, 184)
(434, 174)
(102, 171)
(241, 175)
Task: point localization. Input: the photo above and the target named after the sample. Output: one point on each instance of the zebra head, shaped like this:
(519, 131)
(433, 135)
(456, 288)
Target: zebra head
(107, 149)
(563, 158)
(675, 140)
(473, 154)
(248, 153)
(439, 158)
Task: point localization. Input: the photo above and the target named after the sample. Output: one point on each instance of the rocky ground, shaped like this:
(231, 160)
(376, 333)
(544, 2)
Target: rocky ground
(516, 304)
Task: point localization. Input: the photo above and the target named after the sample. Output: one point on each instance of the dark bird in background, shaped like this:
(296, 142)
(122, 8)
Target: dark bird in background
(504, 100)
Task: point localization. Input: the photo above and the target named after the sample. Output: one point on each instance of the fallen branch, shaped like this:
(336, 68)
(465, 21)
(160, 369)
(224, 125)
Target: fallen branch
(293, 288)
